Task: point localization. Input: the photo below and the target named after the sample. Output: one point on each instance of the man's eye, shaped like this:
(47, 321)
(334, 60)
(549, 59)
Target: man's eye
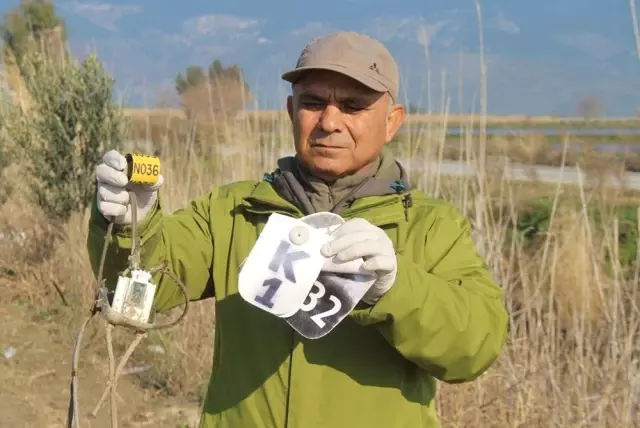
(312, 103)
(353, 106)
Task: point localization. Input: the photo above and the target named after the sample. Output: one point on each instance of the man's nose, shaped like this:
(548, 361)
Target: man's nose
(331, 119)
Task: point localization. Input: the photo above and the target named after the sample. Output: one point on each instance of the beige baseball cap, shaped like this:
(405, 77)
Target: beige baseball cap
(355, 55)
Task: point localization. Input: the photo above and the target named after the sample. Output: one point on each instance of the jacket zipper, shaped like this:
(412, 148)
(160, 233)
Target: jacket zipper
(288, 401)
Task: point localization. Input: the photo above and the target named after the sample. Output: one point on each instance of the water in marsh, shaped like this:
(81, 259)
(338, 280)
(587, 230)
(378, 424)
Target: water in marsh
(456, 130)
(606, 147)
(603, 140)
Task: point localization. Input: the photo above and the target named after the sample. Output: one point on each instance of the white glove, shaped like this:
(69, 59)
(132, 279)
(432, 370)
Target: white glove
(113, 187)
(359, 238)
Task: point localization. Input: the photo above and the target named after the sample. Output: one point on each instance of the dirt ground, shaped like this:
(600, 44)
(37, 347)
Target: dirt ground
(35, 361)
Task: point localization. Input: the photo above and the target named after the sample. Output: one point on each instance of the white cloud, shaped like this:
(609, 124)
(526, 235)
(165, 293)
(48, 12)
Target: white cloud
(311, 30)
(409, 29)
(502, 23)
(426, 33)
(210, 35)
(220, 26)
(216, 34)
(104, 15)
(593, 44)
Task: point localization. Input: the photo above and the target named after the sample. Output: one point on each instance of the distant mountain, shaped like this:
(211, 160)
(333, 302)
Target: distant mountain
(542, 57)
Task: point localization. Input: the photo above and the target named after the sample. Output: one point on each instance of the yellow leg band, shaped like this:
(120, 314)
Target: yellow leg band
(143, 169)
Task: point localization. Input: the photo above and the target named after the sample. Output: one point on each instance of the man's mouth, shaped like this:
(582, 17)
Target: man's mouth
(326, 146)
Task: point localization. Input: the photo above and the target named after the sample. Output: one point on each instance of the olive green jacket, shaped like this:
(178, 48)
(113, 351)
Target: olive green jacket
(444, 318)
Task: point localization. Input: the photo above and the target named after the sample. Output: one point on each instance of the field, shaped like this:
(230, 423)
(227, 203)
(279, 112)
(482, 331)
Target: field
(566, 256)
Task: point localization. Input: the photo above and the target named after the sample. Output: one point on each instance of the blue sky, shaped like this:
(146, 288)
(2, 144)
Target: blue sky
(542, 56)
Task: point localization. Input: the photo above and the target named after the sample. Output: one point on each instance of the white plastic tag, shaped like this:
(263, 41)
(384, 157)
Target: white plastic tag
(282, 266)
(335, 293)
(134, 296)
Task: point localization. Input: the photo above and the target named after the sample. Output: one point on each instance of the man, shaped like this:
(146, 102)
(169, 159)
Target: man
(433, 313)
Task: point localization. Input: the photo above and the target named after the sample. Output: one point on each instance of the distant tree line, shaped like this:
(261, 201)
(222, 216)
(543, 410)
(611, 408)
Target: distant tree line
(217, 93)
(589, 107)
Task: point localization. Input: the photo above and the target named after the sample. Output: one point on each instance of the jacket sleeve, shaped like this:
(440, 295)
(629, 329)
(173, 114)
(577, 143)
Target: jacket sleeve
(446, 315)
(182, 239)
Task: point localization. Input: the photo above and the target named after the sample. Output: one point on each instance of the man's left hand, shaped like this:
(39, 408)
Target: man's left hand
(359, 238)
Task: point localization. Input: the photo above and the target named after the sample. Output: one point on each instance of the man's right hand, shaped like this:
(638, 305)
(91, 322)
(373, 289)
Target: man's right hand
(113, 188)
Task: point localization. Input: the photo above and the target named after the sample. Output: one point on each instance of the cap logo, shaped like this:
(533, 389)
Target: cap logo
(374, 67)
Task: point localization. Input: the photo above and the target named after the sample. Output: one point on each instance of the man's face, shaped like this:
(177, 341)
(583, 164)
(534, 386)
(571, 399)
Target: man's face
(340, 125)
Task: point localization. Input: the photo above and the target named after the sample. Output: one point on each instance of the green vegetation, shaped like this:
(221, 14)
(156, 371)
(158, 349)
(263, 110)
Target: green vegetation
(534, 217)
(32, 26)
(72, 124)
(5, 161)
(63, 119)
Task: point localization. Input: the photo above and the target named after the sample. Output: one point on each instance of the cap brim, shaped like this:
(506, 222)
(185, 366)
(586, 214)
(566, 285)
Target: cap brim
(366, 79)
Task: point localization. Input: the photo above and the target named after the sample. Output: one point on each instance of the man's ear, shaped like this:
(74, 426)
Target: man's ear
(395, 119)
(290, 107)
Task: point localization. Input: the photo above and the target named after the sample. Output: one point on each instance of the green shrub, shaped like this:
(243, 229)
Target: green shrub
(533, 220)
(5, 161)
(71, 122)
